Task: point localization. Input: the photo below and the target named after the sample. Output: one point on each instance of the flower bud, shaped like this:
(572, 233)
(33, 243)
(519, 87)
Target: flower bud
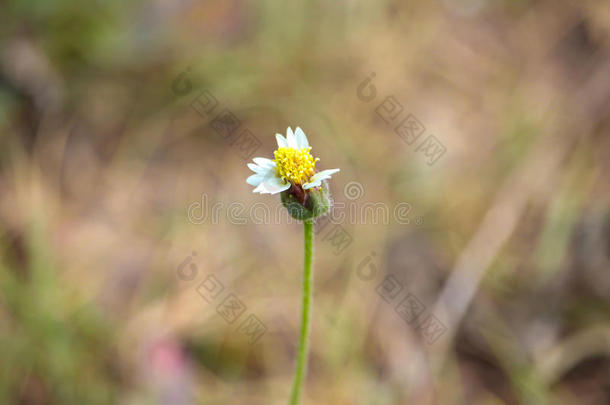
(306, 204)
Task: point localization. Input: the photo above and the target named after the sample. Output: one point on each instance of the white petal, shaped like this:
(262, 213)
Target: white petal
(282, 188)
(264, 162)
(257, 169)
(315, 183)
(316, 179)
(281, 141)
(276, 185)
(255, 179)
(301, 138)
(291, 139)
(324, 174)
(272, 185)
(260, 189)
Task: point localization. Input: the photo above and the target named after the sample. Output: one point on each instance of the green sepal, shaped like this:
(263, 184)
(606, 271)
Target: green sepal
(317, 203)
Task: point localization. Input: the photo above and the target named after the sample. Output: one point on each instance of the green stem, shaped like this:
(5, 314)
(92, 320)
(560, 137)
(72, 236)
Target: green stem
(301, 367)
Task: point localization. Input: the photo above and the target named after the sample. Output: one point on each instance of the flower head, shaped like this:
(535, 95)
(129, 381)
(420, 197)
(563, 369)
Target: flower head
(293, 167)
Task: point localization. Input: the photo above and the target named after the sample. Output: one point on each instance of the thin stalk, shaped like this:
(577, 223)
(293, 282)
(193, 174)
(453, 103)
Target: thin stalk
(301, 366)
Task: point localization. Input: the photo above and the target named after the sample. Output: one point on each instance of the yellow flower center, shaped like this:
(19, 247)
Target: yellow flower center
(295, 165)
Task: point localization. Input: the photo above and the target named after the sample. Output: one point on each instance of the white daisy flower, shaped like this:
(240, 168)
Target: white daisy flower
(292, 165)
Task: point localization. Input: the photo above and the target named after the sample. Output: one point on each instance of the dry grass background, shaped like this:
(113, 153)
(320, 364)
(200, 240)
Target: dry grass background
(508, 243)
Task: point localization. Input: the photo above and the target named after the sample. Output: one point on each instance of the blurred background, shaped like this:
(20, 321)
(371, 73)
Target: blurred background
(469, 262)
